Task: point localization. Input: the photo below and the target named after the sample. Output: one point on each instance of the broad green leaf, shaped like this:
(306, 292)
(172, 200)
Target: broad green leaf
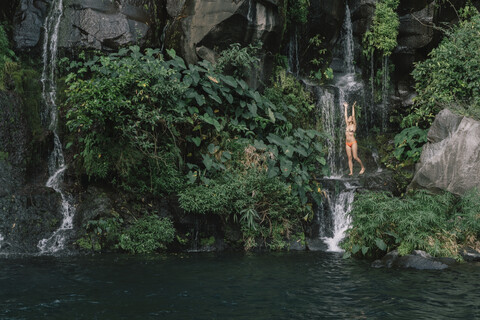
(207, 161)
(380, 244)
(355, 248)
(197, 141)
(271, 115)
(285, 167)
(215, 97)
(260, 145)
(273, 138)
(289, 150)
(253, 108)
(171, 53)
(200, 99)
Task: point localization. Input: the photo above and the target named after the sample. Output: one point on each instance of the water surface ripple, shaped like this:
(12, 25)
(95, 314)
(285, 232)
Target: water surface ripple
(303, 285)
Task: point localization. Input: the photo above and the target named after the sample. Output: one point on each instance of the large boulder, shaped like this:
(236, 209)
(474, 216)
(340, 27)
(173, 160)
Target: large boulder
(28, 21)
(450, 160)
(418, 259)
(204, 27)
(104, 25)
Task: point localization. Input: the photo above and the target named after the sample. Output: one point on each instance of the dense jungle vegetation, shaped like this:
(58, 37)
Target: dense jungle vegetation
(439, 224)
(154, 127)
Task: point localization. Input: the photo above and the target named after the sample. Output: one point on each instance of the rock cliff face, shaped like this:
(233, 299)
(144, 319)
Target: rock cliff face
(104, 25)
(28, 212)
(200, 29)
(450, 160)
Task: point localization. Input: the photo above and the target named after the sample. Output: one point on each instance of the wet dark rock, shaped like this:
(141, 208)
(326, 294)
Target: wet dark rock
(203, 27)
(29, 20)
(95, 203)
(105, 25)
(314, 244)
(450, 160)
(28, 216)
(296, 245)
(418, 259)
(469, 254)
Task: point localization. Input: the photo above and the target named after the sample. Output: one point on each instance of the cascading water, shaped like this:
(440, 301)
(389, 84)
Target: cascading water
(384, 105)
(293, 56)
(341, 204)
(330, 103)
(348, 42)
(56, 161)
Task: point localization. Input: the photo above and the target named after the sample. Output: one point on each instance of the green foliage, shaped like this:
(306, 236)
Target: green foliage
(434, 223)
(408, 144)
(151, 124)
(7, 58)
(264, 207)
(467, 218)
(450, 77)
(101, 234)
(147, 235)
(155, 126)
(297, 11)
(319, 59)
(238, 61)
(382, 35)
(3, 156)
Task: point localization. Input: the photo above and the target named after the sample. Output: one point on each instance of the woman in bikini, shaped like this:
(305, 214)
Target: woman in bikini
(351, 143)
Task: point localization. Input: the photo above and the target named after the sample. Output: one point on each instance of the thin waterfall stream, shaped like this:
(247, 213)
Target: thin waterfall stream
(330, 101)
(56, 161)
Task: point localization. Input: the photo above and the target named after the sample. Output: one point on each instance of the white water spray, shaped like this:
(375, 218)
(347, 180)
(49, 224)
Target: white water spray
(341, 204)
(293, 55)
(330, 100)
(348, 42)
(56, 161)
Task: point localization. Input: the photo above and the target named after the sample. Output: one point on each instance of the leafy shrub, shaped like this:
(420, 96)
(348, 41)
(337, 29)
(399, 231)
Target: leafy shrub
(408, 144)
(138, 117)
(262, 206)
(148, 234)
(297, 11)
(421, 220)
(449, 77)
(238, 61)
(467, 217)
(382, 35)
(7, 58)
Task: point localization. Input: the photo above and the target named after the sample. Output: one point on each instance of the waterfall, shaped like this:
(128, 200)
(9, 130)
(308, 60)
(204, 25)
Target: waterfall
(348, 42)
(56, 161)
(250, 13)
(340, 206)
(293, 59)
(385, 79)
(346, 87)
(376, 158)
(1, 240)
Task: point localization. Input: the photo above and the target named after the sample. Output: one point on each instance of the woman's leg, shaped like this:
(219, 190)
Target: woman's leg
(355, 156)
(349, 155)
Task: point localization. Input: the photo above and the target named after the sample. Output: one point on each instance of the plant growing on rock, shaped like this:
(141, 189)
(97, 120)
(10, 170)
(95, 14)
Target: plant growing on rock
(154, 126)
(449, 77)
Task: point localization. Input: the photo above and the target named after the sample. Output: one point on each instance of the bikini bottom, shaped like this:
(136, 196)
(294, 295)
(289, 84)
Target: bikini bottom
(350, 144)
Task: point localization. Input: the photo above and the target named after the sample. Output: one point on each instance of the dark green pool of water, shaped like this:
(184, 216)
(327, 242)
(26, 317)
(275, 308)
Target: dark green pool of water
(304, 285)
